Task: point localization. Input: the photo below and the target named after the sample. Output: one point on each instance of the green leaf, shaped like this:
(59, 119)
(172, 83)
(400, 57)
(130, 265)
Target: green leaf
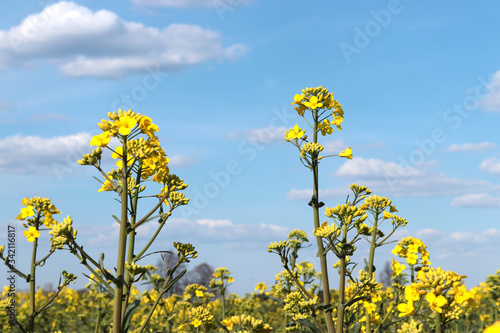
(144, 256)
(356, 299)
(356, 328)
(366, 267)
(171, 284)
(326, 308)
(128, 315)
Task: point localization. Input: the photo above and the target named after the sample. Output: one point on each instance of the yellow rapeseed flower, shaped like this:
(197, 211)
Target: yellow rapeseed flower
(125, 124)
(101, 140)
(397, 268)
(261, 287)
(325, 127)
(313, 103)
(106, 186)
(26, 212)
(228, 323)
(31, 234)
(406, 309)
(337, 121)
(346, 153)
(295, 133)
(146, 126)
(196, 322)
(297, 99)
(411, 258)
(495, 328)
(436, 303)
(411, 293)
(461, 294)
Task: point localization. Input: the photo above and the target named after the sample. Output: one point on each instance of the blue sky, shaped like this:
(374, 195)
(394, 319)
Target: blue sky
(419, 84)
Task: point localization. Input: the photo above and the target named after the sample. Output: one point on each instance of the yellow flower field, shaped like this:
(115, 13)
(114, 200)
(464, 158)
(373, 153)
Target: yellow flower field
(418, 298)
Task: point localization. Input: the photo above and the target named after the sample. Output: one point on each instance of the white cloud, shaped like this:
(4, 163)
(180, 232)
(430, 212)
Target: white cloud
(491, 166)
(100, 44)
(491, 102)
(181, 161)
(483, 200)
(34, 154)
(391, 179)
(324, 194)
(202, 231)
(472, 146)
(193, 3)
(374, 168)
(5, 106)
(266, 135)
(235, 52)
(398, 180)
(334, 147)
(55, 156)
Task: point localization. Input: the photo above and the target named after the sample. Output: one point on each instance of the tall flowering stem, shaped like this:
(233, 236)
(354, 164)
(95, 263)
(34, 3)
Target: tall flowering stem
(325, 114)
(36, 216)
(139, 158)
(122, 243)
(381, 209)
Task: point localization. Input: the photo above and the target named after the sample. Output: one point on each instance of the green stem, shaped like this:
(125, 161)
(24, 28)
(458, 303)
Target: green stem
(122, 242)
(98, 321)
(131, 236)
(371, 258)
(31, 320)
(438, 323)
(223, 306)
(155, 208)
(83, 257)
(159, 297)
(322, 256)
(340, 307)
(146, 247)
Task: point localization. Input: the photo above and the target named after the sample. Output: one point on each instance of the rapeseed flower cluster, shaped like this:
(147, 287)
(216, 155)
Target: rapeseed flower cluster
(37, 212)
(413, 250)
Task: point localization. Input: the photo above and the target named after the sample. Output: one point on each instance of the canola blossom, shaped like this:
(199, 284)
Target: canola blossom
(347, 153)
(27, 212)
(101, 140)
(436, 302)
(295, 133)
(31, 234)
(125, 124)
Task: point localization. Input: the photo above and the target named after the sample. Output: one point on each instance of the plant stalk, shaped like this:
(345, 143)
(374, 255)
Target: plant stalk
(322, 256)
(122, 242)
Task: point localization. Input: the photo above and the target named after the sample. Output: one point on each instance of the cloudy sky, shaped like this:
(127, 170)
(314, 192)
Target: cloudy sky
(419, 83)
